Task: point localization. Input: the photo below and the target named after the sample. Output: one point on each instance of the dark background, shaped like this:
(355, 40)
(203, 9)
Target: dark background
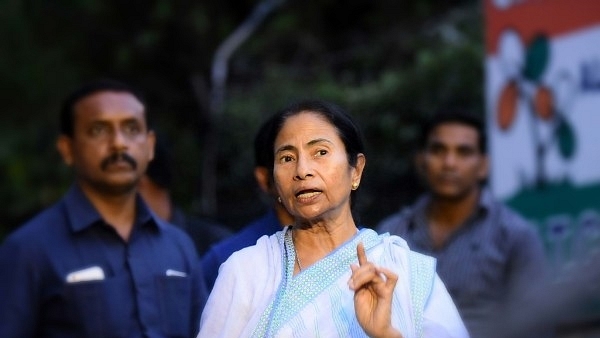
(390, 63)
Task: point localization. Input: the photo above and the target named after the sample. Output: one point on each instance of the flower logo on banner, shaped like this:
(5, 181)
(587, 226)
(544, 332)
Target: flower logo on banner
(547, 100)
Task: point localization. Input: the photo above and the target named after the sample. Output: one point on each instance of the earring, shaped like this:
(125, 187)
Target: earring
(279, 199)
(354, 185)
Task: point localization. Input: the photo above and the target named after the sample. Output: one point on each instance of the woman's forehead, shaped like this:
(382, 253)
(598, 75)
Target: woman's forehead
(307, 125)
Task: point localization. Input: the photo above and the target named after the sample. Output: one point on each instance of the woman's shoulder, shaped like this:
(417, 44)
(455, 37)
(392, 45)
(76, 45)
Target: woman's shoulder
(250, 269)
(395, 250)
(265, 251)
(393, 243)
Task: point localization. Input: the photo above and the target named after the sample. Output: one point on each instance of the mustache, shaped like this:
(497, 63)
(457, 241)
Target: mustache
(116, 157)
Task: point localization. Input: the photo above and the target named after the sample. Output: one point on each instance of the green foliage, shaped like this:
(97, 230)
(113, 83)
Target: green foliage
(389, 63)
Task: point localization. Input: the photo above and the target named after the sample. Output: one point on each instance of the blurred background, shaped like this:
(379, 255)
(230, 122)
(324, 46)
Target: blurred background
(389, 63)
(212, 71)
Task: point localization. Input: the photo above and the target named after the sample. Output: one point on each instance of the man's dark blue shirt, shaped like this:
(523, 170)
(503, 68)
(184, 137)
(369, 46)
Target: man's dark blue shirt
(66, 273)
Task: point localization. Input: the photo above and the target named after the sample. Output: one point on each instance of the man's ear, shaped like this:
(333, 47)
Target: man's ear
(484, 169)
(151, 144)
(263, 178)
(64, 146)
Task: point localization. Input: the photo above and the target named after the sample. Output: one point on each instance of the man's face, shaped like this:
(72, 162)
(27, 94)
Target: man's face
(111, 145)
(452, 161)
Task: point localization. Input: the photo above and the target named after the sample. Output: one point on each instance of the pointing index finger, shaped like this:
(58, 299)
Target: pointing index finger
(360, 252)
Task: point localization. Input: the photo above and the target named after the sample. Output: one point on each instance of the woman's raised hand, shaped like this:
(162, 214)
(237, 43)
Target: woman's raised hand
(373, 291)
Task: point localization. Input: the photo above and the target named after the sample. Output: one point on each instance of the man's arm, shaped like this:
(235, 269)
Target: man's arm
(528, 260)
(19, 291)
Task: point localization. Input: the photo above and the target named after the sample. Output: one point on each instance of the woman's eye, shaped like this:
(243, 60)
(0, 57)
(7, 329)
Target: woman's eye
(285, 158)
(322, 152)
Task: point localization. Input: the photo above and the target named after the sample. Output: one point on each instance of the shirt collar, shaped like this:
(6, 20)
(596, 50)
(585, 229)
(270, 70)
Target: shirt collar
(82, 214)
(486, 200)
(484, 205)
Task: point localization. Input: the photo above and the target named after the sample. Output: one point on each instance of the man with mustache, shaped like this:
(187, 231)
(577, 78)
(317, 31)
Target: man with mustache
(99, 263)
(486, 253)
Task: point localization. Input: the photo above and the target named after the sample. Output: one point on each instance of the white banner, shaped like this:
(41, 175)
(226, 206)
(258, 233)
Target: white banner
(543, 113)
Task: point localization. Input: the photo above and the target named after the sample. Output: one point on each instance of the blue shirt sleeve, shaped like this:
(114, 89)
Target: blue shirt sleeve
(18, 291)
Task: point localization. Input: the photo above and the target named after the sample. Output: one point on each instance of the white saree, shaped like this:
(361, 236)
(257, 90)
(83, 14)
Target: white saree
(256, 294)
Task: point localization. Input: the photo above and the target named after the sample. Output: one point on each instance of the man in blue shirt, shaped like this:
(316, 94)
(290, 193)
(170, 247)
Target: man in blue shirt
(99, 263)
(486, 253)
(272, 221)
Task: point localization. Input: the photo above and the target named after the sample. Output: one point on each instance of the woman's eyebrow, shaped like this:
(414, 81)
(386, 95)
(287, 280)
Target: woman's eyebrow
(319, 140)
(284, 147)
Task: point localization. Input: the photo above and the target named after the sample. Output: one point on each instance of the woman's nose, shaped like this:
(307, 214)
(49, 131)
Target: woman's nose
(303, 169)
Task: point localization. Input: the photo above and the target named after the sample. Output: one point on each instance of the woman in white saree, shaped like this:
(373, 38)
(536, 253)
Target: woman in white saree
(321, 276)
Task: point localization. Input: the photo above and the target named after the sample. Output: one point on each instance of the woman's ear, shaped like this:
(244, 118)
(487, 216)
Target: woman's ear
(361, 162)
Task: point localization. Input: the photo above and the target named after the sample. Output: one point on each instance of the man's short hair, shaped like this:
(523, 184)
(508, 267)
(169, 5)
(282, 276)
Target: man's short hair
(67, 110)
(455, 116)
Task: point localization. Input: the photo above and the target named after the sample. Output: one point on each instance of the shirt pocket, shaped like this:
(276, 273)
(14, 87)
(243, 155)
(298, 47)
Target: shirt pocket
(100, 308)
(175, 301)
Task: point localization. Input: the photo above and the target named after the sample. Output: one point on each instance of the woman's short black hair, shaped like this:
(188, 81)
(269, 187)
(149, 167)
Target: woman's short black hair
(347, 129)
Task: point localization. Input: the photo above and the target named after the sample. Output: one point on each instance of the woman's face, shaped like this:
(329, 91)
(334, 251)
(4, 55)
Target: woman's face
(311, 169)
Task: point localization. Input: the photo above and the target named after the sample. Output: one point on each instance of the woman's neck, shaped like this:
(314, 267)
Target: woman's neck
(317, 241)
